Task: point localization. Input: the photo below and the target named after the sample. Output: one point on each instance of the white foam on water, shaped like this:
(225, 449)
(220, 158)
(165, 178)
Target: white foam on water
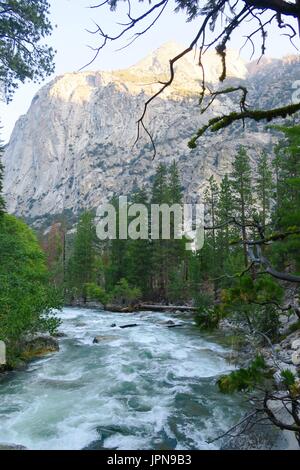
(149, 384)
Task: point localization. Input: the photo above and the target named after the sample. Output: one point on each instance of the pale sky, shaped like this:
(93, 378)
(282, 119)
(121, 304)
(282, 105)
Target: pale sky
(71, 41)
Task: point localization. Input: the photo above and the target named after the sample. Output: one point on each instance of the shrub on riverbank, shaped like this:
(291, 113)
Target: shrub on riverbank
(27, 299)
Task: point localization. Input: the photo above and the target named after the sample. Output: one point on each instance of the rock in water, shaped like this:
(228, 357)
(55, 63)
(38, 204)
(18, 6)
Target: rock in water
(100, 339)
(38, 346)
(11, 447)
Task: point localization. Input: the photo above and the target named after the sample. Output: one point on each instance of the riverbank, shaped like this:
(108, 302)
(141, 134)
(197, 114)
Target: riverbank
(31, 347)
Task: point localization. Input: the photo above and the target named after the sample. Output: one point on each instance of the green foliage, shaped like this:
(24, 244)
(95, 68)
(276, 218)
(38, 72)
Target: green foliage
(27, 299)
(248, 290)
(209, 318)
(138, 255)
(288, 378)
(264, 187)
(244, 378)
(124, 294)
(256, 300)
(293, 327)
(286, 214)
(23, 26)
(95, 292)
(157, 267)
(82, 265)
(2, 203)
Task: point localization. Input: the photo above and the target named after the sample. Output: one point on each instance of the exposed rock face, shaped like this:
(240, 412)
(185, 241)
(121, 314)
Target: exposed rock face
(39, 346)
(74, 148)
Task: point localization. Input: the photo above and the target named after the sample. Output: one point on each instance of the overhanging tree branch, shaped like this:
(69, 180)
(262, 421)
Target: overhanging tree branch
(223, 18)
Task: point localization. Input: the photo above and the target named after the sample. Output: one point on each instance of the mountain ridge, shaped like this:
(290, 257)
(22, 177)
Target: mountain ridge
(74, 148)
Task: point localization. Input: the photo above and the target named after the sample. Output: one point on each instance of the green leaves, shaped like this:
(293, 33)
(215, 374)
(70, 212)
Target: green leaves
(95, 292)
(82, 267)
(23, 26)
(124, 294)
(288, 378)
(244, 378)
(2, 203)
(27, 299)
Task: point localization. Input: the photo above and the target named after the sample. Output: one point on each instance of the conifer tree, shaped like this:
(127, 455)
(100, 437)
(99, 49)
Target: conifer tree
(159, 195)
(287, 211)
(82, 260)
(117, 249)
(264, 187)
(211, 196)
(241, 179)
(224, 212)
(139, 253)
(178, 257)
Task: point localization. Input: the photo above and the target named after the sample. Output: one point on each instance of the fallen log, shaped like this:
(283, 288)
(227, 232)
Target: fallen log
(166, 308)
(128, 326)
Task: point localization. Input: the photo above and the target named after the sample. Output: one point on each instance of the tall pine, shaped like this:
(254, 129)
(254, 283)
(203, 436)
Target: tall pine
(82, 261)
(139, 253)
(241, 182)
(264, 187)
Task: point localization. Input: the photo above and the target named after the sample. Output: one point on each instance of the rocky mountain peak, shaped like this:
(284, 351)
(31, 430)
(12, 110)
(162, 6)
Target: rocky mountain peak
(74, 148)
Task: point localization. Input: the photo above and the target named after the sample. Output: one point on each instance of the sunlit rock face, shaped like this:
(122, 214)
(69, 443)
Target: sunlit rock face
(75, 147)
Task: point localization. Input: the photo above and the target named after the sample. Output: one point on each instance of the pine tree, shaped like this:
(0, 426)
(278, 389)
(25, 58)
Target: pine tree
(286, 215)
(211, 196)
(55, 248)
(264, 187)
(224, 212)
(159, 195)
(117, 254)
(82, 261)
(139, 253)
(177, 256)
(241, 179)
(174, 185)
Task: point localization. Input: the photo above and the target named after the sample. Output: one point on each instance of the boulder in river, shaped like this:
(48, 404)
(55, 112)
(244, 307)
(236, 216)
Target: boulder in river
(12, 447)
(166, 322)
(39, 346)
(59, 334)
(100, 339)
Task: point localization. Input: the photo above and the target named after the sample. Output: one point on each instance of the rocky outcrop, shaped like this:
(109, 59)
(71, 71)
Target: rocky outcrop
(11, 447)
(38, 346)
(74, 148)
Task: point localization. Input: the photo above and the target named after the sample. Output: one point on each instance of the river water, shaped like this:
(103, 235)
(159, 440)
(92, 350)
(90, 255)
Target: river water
(149, 387)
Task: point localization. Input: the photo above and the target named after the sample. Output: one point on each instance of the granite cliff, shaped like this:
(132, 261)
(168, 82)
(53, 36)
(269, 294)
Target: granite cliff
(74, 148)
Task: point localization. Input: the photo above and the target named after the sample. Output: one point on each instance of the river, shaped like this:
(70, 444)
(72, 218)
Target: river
(149, 387)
